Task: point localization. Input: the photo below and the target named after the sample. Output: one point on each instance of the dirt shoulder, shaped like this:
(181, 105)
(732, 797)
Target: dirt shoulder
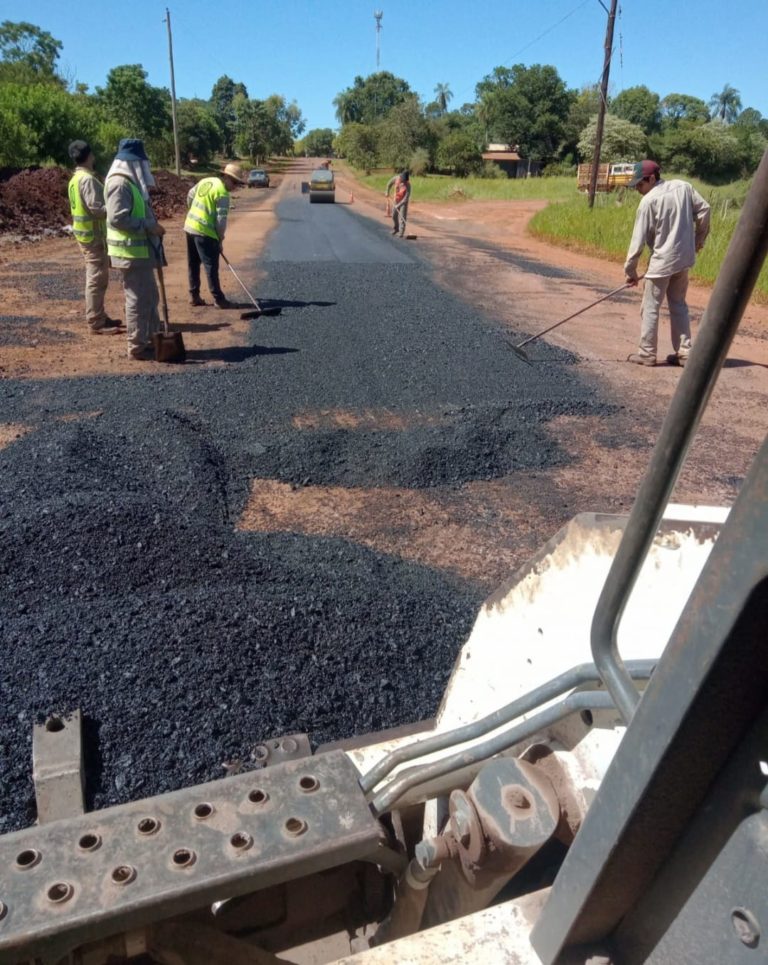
(43, 333)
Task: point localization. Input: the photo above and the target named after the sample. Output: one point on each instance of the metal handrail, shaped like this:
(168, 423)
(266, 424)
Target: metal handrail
(583, 673)
(578, 701)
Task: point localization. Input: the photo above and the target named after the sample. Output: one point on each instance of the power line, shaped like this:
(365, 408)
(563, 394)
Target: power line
(544, 33)
(550, 29)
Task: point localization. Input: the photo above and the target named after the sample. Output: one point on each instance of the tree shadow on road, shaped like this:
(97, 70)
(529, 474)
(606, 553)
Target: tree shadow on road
(235, 353)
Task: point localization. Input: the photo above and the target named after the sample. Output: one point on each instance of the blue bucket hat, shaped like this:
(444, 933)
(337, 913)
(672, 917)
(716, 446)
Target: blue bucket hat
(131, 149)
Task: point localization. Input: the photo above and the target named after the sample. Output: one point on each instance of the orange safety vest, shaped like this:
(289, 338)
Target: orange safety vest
(401, 190)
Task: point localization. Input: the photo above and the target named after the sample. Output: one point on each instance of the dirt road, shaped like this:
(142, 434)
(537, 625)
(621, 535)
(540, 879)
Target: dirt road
(294, 531)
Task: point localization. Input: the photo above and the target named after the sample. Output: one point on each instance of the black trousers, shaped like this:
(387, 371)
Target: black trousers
(203, 251)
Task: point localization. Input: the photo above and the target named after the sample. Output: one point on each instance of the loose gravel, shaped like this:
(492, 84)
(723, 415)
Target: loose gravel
(126, 589)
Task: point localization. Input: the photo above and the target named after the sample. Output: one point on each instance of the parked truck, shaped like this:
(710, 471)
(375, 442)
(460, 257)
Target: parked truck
(610, 177)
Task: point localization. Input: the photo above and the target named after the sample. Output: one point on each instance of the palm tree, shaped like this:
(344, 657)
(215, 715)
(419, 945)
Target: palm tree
(443, 94)
(726, 105)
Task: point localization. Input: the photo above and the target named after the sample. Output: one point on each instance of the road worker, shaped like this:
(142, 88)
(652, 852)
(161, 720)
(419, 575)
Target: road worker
(89, 218)
(673, 220)
(205, 227)
(134, 242)
(400, 209)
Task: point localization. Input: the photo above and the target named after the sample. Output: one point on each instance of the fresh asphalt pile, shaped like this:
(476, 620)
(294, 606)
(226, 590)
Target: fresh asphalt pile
(126, 588)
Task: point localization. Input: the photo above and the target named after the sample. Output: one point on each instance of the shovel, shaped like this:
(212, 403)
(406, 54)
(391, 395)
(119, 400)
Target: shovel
(258, 310)
(518, 349)
(169, 346)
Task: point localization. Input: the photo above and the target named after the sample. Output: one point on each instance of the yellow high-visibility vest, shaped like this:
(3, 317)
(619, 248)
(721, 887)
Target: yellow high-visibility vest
(129, 244)
(83, 226)
(201, 217)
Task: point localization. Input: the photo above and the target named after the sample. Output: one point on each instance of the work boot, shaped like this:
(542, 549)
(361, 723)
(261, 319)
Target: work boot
(225, 303)
(196, 301)
(108, 326)
(675, 359)
(141, 353)
(641, 359)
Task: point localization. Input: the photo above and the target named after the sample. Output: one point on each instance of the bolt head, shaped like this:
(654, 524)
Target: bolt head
(461, 828)
(425, 852)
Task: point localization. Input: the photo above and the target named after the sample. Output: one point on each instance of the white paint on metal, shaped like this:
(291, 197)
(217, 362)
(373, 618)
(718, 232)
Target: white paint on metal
(538, 625)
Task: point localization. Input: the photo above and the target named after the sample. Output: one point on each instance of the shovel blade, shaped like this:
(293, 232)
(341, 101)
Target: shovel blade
(169, 347)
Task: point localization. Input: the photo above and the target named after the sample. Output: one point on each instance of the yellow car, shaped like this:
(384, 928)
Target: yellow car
(322, 186)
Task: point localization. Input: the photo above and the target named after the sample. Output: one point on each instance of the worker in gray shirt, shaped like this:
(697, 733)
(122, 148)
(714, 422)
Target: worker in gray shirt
(673, 221)
(133, 242)
(89, 217)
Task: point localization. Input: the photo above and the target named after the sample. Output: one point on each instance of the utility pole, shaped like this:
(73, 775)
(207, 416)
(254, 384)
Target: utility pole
(603, 98)
(173, 95)
(377, 15)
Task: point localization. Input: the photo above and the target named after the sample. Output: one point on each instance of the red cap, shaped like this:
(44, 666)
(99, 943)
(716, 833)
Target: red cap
(643, 169)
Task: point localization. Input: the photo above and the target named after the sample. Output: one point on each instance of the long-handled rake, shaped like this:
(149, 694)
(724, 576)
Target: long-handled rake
(518, 349)
(258, 309)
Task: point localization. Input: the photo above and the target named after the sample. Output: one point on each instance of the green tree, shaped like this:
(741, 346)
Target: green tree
(640, 106)
(370, 99)
(358, 143)
(318, 142)
(715, 151)
(749, 117)
(39, 121)
(265, 127)
(140, 108)
(726, 104)
(222, 103)
(443, 96)
(418, 165)
(622, 140)
(402, 131)
(527, 107)
(17, 139)
(458, 153)
(677, 108)
(199, 134)
(584, 106)
(28, 46)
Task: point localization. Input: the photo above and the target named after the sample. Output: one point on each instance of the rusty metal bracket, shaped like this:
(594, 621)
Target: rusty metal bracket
(57, 756)
(80, 879)
(292, 747)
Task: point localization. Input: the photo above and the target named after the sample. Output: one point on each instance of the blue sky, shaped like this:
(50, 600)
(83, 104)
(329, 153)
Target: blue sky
(311, 49)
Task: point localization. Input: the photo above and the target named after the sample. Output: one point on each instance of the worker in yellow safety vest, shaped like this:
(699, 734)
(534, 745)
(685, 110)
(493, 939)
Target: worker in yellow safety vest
(205, 227)
(133, 242)
(89, 214)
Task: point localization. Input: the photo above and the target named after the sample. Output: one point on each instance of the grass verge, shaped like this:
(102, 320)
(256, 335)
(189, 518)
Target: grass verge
(606, 229)
(440, 187)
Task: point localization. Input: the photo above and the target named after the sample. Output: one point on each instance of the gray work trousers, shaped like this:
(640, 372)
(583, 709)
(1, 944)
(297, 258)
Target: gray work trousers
(400, 217)
(674, 288)
(96, 281)
(142, 319)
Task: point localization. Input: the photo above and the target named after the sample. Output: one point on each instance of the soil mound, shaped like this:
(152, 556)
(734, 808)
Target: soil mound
(34, 201)
(169, 196)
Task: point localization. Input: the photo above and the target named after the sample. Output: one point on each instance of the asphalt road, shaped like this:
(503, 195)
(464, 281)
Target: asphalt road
(126, 588)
